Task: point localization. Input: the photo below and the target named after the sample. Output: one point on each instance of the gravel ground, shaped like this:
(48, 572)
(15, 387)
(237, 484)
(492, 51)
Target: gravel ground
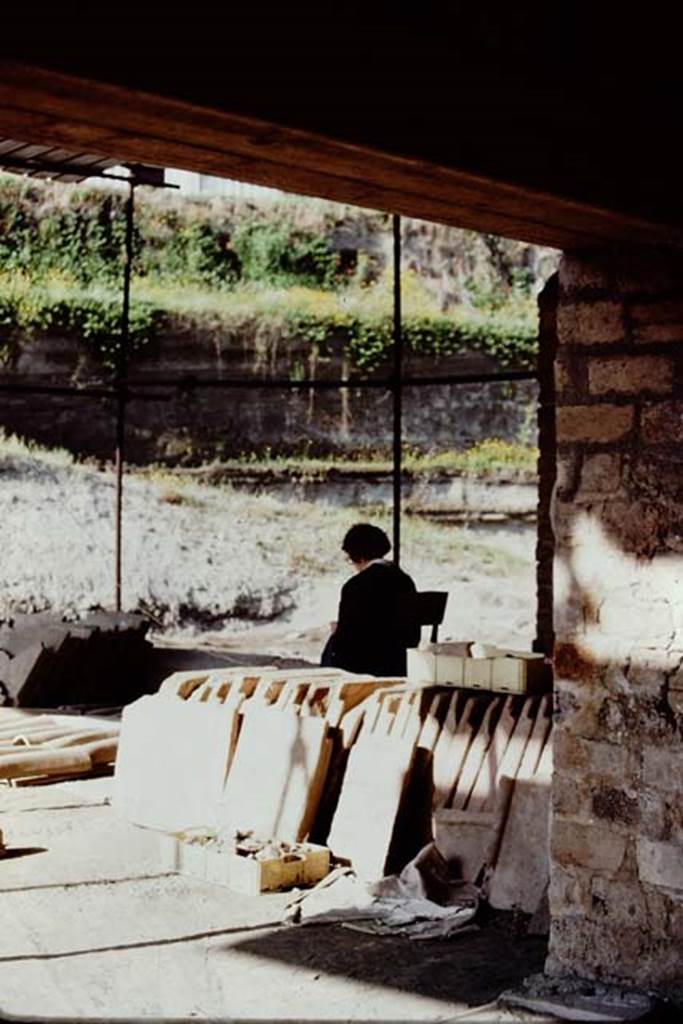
(215, 565)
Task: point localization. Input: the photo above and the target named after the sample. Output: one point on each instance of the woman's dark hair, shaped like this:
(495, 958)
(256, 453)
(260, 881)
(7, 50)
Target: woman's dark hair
(363, 542)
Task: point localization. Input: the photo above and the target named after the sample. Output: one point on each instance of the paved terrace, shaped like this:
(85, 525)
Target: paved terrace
(93, 927)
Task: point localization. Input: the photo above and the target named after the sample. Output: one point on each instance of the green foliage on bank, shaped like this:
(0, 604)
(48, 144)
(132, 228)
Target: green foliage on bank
(233, 270)
(93, 319)
(370, 338)
(79, 233)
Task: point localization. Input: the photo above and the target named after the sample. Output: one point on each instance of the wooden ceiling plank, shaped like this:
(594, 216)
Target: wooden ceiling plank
(299, 179)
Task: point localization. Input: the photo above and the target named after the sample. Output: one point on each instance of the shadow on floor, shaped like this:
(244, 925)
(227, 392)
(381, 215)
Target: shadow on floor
(473, 968)
(21, 851)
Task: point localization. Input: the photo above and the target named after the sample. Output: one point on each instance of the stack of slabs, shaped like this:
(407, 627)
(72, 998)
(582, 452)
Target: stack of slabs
(508, 744)
(39, 746)
(470, 747)
(177, 747)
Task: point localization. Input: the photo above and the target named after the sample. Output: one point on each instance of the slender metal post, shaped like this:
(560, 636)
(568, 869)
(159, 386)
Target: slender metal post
(120, 385)
(397, 392)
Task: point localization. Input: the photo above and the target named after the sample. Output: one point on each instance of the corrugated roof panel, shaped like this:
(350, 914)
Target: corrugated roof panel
(26, 152)
(50, 162)
(8, 145)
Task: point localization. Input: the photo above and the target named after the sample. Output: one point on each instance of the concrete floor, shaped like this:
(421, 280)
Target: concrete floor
(91, 927)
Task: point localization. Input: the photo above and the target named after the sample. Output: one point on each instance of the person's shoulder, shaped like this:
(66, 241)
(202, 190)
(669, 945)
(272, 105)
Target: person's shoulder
(405, 581)
(388, 575)
(370, 578)
(352, 583)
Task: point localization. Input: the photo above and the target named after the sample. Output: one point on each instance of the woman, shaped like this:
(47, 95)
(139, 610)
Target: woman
(375, 626)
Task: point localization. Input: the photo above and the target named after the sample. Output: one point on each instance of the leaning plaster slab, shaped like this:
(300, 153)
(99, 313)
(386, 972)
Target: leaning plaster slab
(172, 762)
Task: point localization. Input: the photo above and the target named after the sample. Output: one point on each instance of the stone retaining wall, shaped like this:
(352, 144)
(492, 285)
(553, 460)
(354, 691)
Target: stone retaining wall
(200, 424)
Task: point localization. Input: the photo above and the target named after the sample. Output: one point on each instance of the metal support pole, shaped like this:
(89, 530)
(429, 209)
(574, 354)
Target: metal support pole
(397, 392)
(120, 385)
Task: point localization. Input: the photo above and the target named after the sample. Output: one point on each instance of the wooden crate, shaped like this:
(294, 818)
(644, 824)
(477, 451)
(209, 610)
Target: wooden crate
(203, 860)
(303, 868)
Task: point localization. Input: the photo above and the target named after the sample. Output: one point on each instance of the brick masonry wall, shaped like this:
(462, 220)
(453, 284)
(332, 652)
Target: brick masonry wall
(617, 832)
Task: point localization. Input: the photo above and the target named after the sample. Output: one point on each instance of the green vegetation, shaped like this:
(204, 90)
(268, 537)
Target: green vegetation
(487, 458)
(53, 306)
(13, 447)
(232, 268)
(490, 458)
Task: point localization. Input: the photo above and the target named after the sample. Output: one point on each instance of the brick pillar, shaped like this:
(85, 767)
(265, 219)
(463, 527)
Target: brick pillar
(617, 830)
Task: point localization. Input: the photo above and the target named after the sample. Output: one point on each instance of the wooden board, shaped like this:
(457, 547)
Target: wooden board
(474, 757)
(39, 747)
(431, 727)
(515, 749)
(484, 790)
(40, 761)
(468, 833)
(471, 832)
(375, 783)
(451, 749)
(466, 839)
(522, 868)
(537, 740)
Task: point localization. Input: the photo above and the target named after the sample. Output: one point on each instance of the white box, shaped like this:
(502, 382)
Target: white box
(478, 673)
(523, 673)
(450, 668)
(421, 666)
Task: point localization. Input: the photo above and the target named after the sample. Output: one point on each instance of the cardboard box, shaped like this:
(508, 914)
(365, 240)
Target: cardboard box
(450, 668)
(428, 666)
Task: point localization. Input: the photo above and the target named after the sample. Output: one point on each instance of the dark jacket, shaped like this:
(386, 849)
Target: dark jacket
(374, 625)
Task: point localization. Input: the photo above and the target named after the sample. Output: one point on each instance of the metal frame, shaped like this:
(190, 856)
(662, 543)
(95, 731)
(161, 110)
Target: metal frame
(120, 385)
(397, 393)
(123, 389)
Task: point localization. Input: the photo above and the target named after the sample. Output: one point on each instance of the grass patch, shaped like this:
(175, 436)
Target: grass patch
(14, 447)
(489, 458)
(486, 458)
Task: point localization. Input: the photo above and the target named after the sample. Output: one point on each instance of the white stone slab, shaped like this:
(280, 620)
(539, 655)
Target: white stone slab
(171, 763)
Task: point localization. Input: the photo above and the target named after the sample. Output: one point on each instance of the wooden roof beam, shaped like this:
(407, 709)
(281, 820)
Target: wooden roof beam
(45, 106)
